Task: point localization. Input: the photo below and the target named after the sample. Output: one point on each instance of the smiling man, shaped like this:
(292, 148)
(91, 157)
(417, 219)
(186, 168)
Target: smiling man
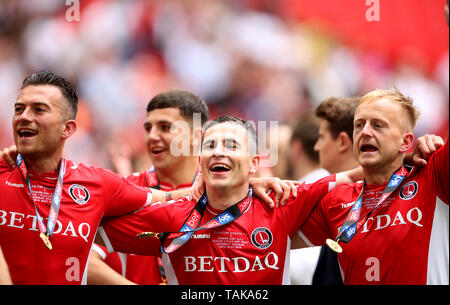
(239, 240)
(394, 227)
(54, 206)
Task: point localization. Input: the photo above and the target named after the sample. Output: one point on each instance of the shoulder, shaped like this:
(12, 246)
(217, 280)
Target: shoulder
(4, 167)
(342, 193)
(137, 178)
(81, 170)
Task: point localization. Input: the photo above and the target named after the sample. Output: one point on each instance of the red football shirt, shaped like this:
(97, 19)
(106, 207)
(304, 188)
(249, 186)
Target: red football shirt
(404, 241)
(254, 249)
(140, 269)
(88, 195)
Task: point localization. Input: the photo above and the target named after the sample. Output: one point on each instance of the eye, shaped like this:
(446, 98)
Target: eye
(147, 128)
(165, 127)
(231, 144)
(18, 109)
(209, 145)
(358, 125)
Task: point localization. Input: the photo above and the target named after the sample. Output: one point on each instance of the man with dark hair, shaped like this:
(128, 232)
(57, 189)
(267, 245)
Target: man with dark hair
(334, 146)
(167, 114)
(49, 78)
(306, 167)
(234, 238)
(74, 197)
(303, 158)
(335, 133)
(170, 121)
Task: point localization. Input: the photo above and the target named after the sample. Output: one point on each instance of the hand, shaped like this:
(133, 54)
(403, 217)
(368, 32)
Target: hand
(121, 159)
(423, 149)
(281, 188)
(198, 187)
(9, 155)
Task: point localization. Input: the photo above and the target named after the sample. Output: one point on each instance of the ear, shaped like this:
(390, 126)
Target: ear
(408, 143)
(345, 143)
(69, 129)
(254, 164)
(296, 147)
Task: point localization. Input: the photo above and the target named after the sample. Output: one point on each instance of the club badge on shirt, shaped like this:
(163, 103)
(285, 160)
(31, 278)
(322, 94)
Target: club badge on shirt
(79, 193)
(409, 190)
(262, 238)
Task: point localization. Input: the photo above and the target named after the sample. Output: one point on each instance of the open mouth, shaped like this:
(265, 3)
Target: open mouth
(219, 168)
(158, 150)
(26, 133)
(368, 148)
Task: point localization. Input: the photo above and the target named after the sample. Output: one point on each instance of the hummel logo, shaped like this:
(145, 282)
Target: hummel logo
(14, 184)
(346, 205)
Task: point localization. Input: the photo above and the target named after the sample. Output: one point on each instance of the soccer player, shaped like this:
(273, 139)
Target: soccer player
(393, 227)
(52, 206)
(43, 120)
(168, 110)
(253, 246)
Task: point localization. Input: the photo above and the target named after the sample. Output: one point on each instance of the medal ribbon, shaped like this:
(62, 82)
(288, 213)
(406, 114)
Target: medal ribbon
(192, 222)
(56, 200)
(353, 221)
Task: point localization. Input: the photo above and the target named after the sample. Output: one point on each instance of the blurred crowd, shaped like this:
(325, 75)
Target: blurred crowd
(245, 58)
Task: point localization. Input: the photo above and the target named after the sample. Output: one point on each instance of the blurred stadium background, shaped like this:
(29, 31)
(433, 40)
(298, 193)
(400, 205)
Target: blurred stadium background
(259, 59)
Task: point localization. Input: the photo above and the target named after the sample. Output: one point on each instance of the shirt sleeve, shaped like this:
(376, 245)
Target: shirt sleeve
(119, 233)
(314, 231)
(296, 211)
(438, 168)
(123, 196)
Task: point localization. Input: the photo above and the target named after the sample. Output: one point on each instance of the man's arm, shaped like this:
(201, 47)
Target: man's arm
(5, 278)
(99, 273)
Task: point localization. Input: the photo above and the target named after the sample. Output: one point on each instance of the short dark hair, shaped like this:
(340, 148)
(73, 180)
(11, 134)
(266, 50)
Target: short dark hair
(49, 78)
(306, 130)
(251, 131)
(187, 102)
(339, 112)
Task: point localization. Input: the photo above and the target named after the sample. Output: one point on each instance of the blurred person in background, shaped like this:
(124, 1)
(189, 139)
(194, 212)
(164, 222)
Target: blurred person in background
(306, 168)
(335, 148)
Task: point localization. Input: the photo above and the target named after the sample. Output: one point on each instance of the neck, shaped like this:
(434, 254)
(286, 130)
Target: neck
(346, 162)
(41, 166)
(379, 176)
(223, 198)
(183, 173)
(303, 166)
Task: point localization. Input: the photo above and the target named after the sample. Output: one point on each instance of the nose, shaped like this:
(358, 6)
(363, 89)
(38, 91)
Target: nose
(25, 116)
(317, 146)
(153, 134)
(218, 150)
(367, 130)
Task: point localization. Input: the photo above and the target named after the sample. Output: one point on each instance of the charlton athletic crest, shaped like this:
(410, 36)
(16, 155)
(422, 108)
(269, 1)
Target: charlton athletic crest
(409, 190)
(79, 193)
(262, 238)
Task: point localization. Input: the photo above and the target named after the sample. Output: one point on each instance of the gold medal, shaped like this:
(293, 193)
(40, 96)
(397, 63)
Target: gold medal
(46, 241)
(148, 235)
(333, 245)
